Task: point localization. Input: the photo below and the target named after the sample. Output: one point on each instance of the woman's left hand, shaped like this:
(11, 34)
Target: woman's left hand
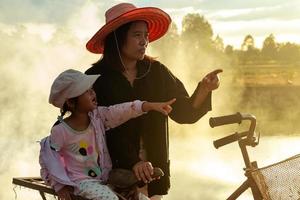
(143, 170)
(211, 81)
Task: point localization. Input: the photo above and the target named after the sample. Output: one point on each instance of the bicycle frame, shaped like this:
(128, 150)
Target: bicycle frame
(244, 139)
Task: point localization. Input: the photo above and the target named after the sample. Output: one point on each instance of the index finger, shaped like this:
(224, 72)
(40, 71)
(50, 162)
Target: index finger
(217, 71)
(148, 171)
(171, 101)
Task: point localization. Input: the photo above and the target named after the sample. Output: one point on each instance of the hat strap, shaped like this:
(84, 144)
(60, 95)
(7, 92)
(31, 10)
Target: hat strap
(116, 40)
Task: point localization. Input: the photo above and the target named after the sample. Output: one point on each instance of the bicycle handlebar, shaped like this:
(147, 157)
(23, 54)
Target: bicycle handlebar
(228, 139)
(231, 119)
(227, 119)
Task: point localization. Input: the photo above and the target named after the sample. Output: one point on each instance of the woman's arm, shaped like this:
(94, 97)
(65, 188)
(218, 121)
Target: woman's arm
(209, 83)
(187, 109)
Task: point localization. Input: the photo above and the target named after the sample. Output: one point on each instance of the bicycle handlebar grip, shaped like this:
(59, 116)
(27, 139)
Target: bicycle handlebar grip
(228, 119)
(226, 140)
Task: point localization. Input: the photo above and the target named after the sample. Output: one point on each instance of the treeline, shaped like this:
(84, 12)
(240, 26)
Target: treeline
(199, 47)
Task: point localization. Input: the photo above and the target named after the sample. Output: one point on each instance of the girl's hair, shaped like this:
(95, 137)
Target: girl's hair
(66, 108)
(110, 54)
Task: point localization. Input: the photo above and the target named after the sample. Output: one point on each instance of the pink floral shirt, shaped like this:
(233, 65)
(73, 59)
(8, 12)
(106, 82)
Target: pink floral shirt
(84, 153)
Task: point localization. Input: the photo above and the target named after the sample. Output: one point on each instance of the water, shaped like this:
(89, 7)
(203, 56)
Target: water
(199, 171)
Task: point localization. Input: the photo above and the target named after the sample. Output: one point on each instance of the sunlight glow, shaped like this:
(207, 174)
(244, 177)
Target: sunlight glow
(7, 29)
(223, 14)
(34, 52)
(214, 169)
(259, 29)
(45, 31)
(89, 20)
(178, 14)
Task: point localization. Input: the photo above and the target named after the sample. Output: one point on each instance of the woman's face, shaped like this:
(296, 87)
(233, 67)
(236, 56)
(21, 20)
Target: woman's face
(136, 41)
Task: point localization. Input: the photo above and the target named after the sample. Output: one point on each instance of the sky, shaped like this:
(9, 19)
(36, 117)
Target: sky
(230, 19)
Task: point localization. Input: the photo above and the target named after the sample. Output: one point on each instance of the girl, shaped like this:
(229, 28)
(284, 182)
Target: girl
(79, 138)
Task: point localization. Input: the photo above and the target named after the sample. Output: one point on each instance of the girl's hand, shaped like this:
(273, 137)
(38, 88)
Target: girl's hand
(211, 81)
(162, 107)
(65, 193)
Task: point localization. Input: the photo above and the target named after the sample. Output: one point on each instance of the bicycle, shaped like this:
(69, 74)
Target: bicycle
(274, 182)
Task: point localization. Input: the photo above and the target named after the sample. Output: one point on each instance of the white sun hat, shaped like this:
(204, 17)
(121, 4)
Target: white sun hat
(69, 84)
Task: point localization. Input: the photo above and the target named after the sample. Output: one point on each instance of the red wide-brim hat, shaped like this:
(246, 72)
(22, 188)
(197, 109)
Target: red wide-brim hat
(158, 23)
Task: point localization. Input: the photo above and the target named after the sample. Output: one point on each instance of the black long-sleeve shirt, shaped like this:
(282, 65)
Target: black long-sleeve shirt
(154, 83)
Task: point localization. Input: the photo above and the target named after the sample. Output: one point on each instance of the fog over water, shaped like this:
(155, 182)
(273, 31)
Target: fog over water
(28, 65)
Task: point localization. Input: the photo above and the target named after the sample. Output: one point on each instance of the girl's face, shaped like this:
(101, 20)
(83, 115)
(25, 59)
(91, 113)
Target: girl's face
(87, 101)
(136, 41)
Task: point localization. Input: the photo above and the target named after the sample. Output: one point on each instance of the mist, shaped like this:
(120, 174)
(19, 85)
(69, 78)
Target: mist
(30, 60)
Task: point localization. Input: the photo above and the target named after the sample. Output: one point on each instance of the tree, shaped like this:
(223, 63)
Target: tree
(270, 48)
(166, 47)
(289, 52)
(229, 50)
(219, 44)
(248, 43)
(231, 55)
(249, 53)
(196, 31)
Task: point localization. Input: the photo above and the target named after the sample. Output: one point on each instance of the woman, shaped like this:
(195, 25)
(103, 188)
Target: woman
(128, 74)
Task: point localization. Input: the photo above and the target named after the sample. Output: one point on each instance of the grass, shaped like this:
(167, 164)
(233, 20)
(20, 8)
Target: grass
(267, 75)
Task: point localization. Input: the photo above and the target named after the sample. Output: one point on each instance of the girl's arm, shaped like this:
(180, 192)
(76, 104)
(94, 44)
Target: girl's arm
(118, 114)
(49, 158)
(162, 107)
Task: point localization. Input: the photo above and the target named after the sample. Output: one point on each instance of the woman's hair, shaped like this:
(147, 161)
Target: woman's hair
(111, 55)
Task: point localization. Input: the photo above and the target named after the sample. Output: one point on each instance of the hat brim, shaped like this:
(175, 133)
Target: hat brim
(158, 24)
(85, 84)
